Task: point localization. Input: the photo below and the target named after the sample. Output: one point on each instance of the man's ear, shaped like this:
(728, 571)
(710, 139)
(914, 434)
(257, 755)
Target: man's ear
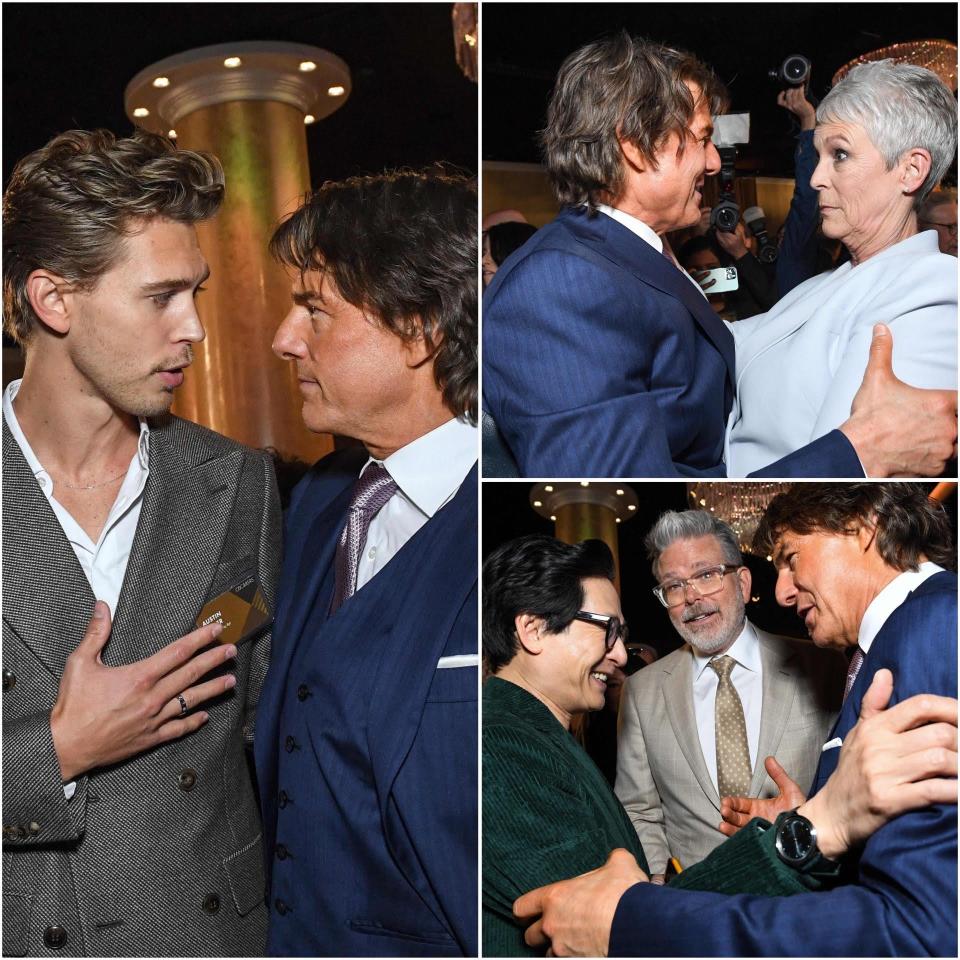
(48, 294)
(745, 579)
(867, 533)
(632, 155)
(529, 631)
(915, 167)
(419, 348)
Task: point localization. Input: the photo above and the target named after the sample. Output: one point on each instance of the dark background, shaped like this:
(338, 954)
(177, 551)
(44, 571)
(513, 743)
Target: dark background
(507, 514)
(523, 46)
(66, 66)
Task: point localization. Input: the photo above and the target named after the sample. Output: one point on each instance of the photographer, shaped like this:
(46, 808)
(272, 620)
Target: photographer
(800, 249)
(757, 292)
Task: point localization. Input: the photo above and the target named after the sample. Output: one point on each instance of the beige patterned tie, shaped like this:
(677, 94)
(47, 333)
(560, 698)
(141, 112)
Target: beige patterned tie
(733, 752)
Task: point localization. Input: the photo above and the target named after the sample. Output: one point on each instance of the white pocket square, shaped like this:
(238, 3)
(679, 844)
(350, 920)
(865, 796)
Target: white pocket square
(460, 660)
(830, 744)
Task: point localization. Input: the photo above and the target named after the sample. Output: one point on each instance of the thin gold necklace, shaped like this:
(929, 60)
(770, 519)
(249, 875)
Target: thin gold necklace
(92, 486)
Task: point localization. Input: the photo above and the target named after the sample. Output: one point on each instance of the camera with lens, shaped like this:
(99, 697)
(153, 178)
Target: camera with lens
(725, 214)
(793, 72)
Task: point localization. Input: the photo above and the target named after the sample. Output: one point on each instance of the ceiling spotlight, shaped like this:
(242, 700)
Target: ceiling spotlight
(161, 81)
(307, 65)
(231, 62)
(548, 488)
(584, 483)
(141, 112)
(538, 503)
(309, 118)
(172, 134)
(554, 519)
(631, 506)
(336, 91)
(619, 493)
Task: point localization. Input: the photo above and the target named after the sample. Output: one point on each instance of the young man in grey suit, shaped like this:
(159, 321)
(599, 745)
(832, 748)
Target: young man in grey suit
(697, 725)
(130, 824)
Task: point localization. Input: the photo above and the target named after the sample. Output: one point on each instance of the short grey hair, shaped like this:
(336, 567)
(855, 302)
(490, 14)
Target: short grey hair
(901, 107)
(690, 525)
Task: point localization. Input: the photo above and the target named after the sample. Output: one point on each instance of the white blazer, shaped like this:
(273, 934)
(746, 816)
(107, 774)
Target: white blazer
(799, 366)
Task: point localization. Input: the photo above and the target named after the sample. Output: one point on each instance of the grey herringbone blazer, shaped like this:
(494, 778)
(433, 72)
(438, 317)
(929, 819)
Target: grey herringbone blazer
(662, 778)
(159, 854)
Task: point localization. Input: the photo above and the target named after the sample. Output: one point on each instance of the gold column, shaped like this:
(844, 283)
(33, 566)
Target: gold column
(586, 510)
(246, 103)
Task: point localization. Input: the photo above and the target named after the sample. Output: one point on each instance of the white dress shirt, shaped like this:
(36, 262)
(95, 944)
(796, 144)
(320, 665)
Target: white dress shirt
(103, 562)
(888, 599)
(747, 677)
(646, 234)
(428, 472)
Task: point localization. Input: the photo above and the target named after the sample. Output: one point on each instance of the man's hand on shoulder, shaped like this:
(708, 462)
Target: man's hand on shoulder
(575, 916)
(899, 430)
(892, 761)
(106, 714)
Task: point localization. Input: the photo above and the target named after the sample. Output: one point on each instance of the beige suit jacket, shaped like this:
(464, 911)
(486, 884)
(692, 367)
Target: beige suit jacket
(662, 778)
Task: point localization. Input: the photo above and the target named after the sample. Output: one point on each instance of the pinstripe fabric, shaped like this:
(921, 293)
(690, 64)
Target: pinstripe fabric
(126, 866)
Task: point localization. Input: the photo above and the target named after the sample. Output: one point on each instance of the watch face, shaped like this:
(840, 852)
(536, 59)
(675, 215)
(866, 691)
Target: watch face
(795, 839)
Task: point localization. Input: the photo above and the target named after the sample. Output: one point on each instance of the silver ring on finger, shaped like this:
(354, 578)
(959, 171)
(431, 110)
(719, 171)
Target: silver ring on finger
(183, 705)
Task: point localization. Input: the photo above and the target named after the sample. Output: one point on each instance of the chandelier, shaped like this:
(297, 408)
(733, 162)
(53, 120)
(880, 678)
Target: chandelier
(739, 505)
(466, 38)
(940, 56)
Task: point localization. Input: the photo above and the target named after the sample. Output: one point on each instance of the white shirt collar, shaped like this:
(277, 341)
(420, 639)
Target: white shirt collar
(429, 470)
(888, 599)
(745, 650)
(633, 225)
(13, 388)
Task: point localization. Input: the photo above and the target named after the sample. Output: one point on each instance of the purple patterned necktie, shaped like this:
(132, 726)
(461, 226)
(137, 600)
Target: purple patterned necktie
(374, 488)
(856, 661)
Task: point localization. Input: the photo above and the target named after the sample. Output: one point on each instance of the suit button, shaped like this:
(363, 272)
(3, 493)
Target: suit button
(281, 907)
(14, 832)
(33, 828)
(55, 937)
(282, 799)
(211, 903)
(187, 779)
(282, 852)
(303, 691)
(289, 744)
(9, 679)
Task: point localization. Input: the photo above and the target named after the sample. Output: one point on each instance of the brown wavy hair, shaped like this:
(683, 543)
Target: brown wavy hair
(70, 204)
(909, 524)
(401, 246)
(621, 87)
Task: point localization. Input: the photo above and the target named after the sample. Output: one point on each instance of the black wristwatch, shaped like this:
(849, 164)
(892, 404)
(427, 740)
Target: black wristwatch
(796, 843)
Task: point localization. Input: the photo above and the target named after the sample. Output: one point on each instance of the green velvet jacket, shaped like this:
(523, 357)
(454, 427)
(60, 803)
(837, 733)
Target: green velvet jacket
(549, 814)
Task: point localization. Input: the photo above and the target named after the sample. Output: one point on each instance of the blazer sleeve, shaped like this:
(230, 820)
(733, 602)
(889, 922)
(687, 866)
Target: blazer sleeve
(561, 375)
(36, 810)
(832, 455)
(268, 562)
(903, 898)
(635, 787)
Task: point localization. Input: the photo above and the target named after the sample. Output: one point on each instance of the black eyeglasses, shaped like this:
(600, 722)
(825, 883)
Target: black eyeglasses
(614, 627)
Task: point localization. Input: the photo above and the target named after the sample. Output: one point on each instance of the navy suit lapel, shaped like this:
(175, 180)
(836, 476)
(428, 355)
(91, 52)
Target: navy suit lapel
(618, 244)
(444, 550)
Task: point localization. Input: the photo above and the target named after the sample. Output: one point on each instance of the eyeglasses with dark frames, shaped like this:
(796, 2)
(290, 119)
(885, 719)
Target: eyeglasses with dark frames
(704, 584)
(615, 628)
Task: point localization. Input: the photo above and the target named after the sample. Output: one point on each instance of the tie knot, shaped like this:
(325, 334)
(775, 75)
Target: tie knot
(374, 488)
(723, 665)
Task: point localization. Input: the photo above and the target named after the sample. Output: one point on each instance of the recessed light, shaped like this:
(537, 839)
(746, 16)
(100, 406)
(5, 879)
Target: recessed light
(231, 62)
(172, 134)
(307, 65)
(141, 112)
(309, 118)
(336, 91)
(161, 81)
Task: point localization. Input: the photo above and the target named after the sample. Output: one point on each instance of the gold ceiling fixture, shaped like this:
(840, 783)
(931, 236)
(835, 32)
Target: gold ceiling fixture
(940, 56)
(466, 38)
